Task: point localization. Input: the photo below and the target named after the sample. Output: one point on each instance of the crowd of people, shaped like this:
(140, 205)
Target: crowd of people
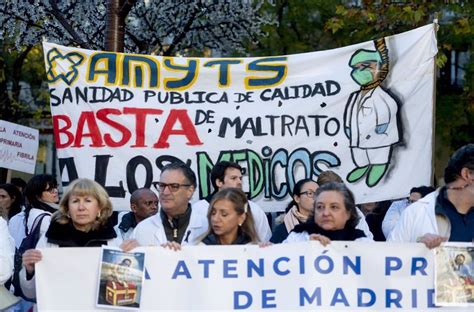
(324, 210)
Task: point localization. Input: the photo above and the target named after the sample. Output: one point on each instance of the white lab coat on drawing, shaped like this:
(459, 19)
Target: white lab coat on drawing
(364, 113)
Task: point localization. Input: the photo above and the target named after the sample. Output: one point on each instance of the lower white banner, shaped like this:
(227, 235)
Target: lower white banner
(302, 276)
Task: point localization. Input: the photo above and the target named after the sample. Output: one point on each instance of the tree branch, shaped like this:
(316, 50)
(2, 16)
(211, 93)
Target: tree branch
(127, 6)
(57, 14)
(183, 32)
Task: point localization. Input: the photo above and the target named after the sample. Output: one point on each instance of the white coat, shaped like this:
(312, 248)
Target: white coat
(364, 114)
(16, 224)
(304, 237)
(419, 219)
(393, 215)
(150, 232)
(7, 251)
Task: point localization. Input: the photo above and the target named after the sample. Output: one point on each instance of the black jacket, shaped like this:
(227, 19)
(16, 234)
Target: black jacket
(66, 235)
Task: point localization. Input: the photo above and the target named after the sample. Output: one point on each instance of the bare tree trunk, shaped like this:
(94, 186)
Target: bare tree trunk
(115, 26)
(16, 72)
(5, 103)
(117, 11)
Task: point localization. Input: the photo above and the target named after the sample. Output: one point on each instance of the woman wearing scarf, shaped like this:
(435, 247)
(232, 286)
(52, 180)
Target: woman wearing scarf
(335, 217)
(299, 210)
(84, 219)
(42, 198)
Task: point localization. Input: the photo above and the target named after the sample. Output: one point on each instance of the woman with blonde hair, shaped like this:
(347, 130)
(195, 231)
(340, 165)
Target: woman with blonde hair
(83, 220)
(230, 220)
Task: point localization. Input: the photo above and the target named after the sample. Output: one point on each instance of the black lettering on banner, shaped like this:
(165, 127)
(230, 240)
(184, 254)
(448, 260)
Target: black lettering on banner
(132, 170)
(244, 97)
(100, 176)
(90, 95)
(163, 160)
(284, 125)
(70, 166)
(204, 116)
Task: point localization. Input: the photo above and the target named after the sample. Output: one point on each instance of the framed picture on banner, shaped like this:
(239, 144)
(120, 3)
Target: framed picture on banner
(120, 279)
(454, 274)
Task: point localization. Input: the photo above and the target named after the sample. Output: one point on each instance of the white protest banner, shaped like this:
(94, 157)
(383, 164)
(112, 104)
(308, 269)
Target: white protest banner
(364, 111)
(18, 147)
(302, 276)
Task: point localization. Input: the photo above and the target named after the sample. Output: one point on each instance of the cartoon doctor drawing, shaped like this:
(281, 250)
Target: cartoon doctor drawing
(370, 117)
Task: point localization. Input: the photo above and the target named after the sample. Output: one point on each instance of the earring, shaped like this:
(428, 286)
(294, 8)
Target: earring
(98, 215)
(240, 224)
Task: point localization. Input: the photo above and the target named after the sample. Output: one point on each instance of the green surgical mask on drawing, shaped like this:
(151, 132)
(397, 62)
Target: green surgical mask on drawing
(362, 76)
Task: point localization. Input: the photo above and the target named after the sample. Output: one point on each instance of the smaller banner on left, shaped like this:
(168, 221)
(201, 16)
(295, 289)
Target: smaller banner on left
(18, 147)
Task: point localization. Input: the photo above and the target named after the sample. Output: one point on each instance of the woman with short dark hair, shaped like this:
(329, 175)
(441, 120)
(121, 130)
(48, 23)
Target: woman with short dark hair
(335, 217)
(298, 211)
(41, 198)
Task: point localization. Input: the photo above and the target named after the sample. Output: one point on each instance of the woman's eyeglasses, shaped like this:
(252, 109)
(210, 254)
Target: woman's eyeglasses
(52, 189)
(310, 194)
(173, 187)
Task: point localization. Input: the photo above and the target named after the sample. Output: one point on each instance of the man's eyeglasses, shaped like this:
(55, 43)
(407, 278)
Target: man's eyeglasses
(310, 194)
(173, 187)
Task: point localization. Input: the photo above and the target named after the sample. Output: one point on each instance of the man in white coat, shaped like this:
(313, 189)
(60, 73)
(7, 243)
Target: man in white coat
(176, 222)
(227, 174)
(446, 214)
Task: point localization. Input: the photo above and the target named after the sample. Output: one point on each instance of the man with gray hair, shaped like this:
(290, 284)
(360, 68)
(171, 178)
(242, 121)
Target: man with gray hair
(176, 223)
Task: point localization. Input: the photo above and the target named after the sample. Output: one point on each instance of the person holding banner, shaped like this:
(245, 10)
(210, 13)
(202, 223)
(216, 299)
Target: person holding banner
(328, 176)
(230, 219)
(227, 174)
(176, 223)
(298, 211)
(83, 220)
(446, 214)
(335, 217)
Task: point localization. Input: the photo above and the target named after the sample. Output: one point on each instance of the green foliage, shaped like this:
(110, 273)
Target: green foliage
(441, 59)
(306, 25)
(454, 111)
(298, 27)
(23, 72)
